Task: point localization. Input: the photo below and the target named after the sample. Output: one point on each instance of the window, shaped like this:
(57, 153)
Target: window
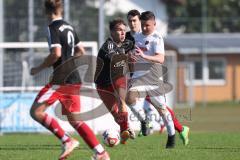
(214, 71)
(198, 70)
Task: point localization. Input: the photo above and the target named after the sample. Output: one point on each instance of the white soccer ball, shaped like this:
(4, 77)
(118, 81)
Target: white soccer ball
(111, 137)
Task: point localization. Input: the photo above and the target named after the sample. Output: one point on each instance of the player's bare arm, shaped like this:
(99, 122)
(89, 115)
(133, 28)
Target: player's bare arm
(79, 50)
(157, 58)
(48, 61)
(131, 61)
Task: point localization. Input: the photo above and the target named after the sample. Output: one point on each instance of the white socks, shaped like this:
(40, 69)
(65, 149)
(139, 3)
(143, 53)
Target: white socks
(138, 111)
(167, 119)
(98, 149)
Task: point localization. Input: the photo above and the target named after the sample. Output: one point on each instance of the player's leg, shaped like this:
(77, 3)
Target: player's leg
(45, 98)
(143, 109)
(182, 130)
(122, 113)
(120, 89)
(132, 98)
(70, 100)
(111, 101)
(38, 114)
(178, 126)
(149, 111)
(167, 119)
(89, 138)
(162, 125)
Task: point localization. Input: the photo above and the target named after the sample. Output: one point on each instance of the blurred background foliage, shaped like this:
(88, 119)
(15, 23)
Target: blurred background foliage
(185, 16)
(221, 16)
(83, 16)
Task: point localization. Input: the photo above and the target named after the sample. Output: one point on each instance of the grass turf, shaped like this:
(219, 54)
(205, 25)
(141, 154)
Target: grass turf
(214, 146)
(215, 135)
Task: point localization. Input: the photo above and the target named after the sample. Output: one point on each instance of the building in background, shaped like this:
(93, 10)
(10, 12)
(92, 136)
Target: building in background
(217, 79)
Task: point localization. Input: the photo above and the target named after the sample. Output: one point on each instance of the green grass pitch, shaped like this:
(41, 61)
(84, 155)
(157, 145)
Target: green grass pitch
(214, 135)
(214, 146)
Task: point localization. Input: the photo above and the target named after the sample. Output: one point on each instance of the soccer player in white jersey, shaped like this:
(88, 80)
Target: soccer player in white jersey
(142, 113)
(134, 23)
(150, 50)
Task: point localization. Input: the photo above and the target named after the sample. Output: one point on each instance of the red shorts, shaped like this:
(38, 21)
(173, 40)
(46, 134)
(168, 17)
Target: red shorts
(108, 96)
(68, 96)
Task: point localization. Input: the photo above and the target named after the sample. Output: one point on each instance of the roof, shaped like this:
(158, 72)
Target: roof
(211, 43)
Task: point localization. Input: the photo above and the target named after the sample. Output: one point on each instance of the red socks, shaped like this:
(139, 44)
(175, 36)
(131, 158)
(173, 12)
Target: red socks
(122, 120)
(87, 134)
(177, 125)
(51, 124)
(84, 131)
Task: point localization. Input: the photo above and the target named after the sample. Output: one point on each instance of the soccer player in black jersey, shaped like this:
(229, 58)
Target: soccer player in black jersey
(65, 85)
(110, 76)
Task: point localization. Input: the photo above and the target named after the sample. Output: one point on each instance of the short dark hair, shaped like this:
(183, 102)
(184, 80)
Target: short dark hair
(115, 22)
(52, 6)
(133, 13)
(147, 15)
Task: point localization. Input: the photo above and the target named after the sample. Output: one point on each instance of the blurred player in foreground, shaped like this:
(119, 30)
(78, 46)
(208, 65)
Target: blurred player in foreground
(110, 76)
(64, 45)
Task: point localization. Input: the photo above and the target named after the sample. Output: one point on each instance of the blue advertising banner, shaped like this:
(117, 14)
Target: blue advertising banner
(15, 117)
(14, 113)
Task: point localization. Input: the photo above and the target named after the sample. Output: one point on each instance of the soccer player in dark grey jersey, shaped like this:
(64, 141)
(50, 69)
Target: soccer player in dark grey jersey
(110, 76)
(65, 85)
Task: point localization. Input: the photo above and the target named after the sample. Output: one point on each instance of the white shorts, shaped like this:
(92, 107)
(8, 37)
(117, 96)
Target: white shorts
(151, 93)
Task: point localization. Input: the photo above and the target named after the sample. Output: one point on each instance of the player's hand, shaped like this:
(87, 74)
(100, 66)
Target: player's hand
(131, 57)
(139, 52)
(34, 70)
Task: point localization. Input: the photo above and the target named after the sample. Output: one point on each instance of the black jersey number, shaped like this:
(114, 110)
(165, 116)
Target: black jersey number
(71, 42)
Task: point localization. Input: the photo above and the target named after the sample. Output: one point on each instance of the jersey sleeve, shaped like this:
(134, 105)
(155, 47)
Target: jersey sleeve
(54, 38)
(159, 45)
(101, 53)
(77, 41)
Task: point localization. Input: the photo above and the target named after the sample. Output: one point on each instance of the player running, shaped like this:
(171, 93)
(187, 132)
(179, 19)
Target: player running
(110, 76)
(134, 23)
(65, 84)
(150, 52)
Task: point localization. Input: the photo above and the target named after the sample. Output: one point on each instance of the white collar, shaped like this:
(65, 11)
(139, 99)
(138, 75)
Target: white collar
(56, 19)
(135, 33)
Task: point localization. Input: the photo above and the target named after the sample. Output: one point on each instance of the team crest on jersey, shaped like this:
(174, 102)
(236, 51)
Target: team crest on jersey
(110, 46)
(142, 46)
(144, 49)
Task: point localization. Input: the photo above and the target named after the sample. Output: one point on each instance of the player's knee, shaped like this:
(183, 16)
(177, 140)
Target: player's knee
(33, 112)
(75, 123)
(131, 98)
(37, 112)
(162, 110)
